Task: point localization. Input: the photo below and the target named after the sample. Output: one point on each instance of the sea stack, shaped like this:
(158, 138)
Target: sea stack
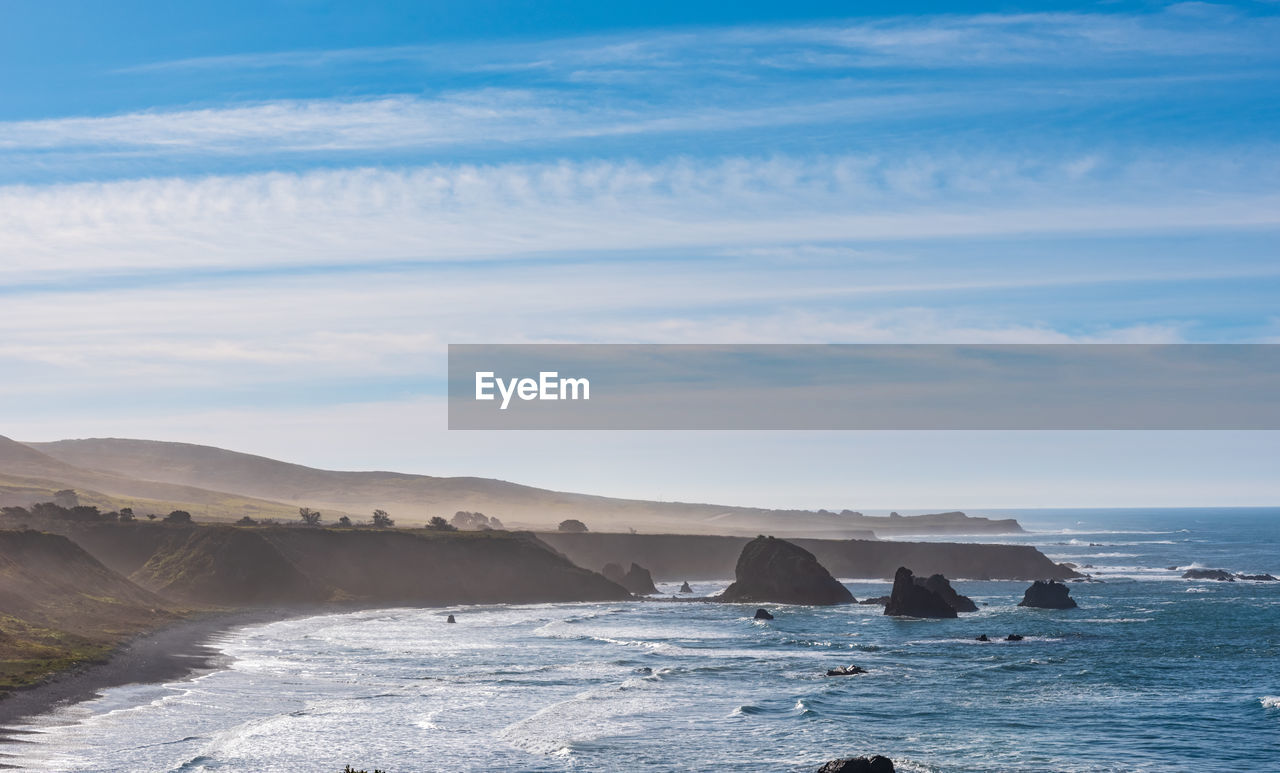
(939, 585)
(450, 619)
(636, 580)
(771, 569)
(912, 599)
(1048, 595)
(685, 587)
(762, 614)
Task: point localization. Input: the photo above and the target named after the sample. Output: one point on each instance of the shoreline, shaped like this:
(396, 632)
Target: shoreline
(172, 652)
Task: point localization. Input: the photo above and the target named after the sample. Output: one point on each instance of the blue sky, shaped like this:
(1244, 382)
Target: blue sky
(258, 224)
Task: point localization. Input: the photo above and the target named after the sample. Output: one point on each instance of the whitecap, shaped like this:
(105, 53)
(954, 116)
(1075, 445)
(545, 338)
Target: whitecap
(1270, 701)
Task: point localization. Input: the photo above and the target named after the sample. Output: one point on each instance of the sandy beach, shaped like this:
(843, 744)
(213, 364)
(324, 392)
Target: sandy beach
(169, 653)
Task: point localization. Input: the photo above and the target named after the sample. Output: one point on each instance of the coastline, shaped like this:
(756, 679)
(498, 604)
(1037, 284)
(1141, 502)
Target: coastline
(172, 652)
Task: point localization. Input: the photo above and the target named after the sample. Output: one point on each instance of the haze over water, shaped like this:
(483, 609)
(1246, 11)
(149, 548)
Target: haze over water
(1151, 673)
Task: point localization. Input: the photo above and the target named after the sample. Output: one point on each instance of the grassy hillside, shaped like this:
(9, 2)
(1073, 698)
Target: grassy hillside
(59, 606)
(415, 498)
(28, 476)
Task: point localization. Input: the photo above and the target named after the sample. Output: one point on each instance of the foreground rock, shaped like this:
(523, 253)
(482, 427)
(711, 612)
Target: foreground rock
(637, 579)
(771, 569)
(875, 764)
(939, 585)
(1221, 575)
(910, 599)
(1048, 595)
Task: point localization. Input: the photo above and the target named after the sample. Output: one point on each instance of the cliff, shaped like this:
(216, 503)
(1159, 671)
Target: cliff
(59, 606)
(677, 557)
(239, 566)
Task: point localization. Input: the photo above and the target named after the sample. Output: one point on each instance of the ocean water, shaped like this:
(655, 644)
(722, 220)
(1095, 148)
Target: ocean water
(1152, 673)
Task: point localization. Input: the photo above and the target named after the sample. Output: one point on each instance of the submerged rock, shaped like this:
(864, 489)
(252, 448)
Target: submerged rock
(1257, 577)
(983, 637)
(1048, 595)
(849, 670)
(771, 569)
(1014, 637)
(763, 614)
(874, 764)
(881, 600)
(450, 619)
(910, 599)
(939, 585)
(1208, 574)
(685, 587)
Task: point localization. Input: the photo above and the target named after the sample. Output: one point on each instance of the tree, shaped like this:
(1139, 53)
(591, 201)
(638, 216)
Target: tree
(309, 517)
(439, 524)
(66, 498)
(344, 521)
(573, 525)
(151, 516)
(381, 520)
(246, 521)
(178, 516)
(474, 521)
(126, 514)
(15, 512)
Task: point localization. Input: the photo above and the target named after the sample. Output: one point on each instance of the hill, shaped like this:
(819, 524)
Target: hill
(60, 606)
(415, 498)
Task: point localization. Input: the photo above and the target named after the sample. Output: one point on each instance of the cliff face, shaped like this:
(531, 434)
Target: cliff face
(770, 569)
(234, 566)
(672, 557)
(59, 606)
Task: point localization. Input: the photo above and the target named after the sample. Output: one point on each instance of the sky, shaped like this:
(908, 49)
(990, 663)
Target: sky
(258, 225)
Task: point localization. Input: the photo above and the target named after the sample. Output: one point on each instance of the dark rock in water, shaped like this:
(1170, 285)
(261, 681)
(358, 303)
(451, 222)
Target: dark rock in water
(849, 670)
(881, 600)
(685, 588)
(983, 637)
(1208, 574)
(771, 569)
(1048, 595)
(910, 599)
(1172, 568)
(1257, 577)
(939, 585)
(1014, 637)
(637, 579)
(450, 619)
(763, 614)
(876, 764)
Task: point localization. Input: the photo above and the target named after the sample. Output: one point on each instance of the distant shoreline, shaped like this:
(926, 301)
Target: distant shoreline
(165, 654)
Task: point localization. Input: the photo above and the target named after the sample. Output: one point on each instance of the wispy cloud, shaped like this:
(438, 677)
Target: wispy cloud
(507, 210)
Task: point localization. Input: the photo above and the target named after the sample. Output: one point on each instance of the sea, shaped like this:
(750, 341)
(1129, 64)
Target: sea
(1151, 673)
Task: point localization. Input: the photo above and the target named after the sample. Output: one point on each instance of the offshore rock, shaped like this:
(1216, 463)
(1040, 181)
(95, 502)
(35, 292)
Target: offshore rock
(1048, 595)
(910, 599)
(771, 569)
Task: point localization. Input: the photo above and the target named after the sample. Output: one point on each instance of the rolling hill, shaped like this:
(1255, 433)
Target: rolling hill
(227, 484)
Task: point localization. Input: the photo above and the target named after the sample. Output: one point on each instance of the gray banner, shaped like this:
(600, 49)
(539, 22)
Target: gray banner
(864, 386)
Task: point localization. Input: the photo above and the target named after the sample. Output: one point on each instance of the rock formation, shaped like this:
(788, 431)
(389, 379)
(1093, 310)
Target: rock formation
(875, 764)
(939, 585)
(685, 587)
(637, 579)
(881, 600)
(912, 599)
(1014, 637)
(450, 619)
(849, 670)
(762, 614)
(771, 569)
(1048, 595)
(1208, 574)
